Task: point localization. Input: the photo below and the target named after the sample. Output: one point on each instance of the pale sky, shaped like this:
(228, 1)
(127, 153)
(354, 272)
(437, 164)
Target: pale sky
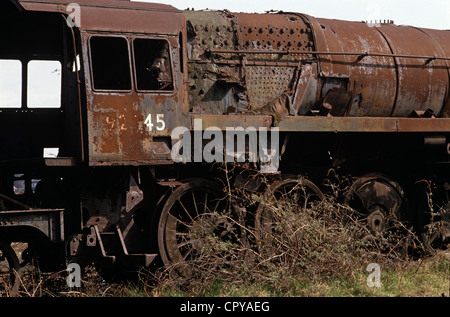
(428, 14)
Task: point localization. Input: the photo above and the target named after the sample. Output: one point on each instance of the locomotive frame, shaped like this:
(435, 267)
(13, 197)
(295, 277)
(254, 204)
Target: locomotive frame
(359, 107)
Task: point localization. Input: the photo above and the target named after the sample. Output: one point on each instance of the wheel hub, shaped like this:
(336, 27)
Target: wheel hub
(376, 221)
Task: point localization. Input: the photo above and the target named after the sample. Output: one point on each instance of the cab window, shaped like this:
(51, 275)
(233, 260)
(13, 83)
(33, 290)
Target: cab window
(44, 84)
(10, 83)
(152, 65)
(110, 63)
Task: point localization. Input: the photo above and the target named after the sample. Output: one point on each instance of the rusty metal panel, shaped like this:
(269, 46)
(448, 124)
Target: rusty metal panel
(213, 86)
(49, 221)
(367, 96)
(116, 16)
(117, 132)
(306, 93)
(275, 32)
(442, 41)
(213, 29)
(238, 61)
(421, 85)
(116, 120)
(325, 40)
(266, 84)
(364, 124)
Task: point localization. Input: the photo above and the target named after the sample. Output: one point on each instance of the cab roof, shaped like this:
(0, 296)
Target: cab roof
(114, 15)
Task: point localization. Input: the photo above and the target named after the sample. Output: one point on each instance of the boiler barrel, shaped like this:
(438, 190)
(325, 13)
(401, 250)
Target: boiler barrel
(378, 84)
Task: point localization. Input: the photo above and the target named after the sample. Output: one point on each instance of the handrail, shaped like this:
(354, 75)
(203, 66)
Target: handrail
(360, 54)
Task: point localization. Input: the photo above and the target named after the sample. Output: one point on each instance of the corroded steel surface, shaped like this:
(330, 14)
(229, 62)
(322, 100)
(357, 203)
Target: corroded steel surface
(421, 85)
(383, 85)
(49, 221)
(350, 86)
(366, 124)
(247, 72)
(441, 40)
(118, 133)
(371, 70)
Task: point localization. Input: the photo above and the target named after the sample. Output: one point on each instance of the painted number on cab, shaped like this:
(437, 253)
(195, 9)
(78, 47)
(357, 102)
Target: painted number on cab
(155, 123)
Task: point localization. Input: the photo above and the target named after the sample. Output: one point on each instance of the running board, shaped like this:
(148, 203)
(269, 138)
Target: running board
(48, 221)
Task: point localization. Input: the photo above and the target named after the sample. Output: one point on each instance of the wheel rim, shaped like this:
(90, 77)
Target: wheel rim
(380, 203)
(192, 212)
(9, 268)
(377, 199)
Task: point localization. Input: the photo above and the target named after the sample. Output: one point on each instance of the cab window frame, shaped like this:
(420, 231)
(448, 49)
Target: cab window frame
(91, 64)
(171, 63)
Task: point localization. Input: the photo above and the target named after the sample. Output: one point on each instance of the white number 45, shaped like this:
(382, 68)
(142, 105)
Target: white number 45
(160, 124)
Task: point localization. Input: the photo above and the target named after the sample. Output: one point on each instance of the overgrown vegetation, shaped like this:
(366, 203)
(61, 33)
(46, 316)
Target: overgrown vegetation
(298, 247)
(309, 249)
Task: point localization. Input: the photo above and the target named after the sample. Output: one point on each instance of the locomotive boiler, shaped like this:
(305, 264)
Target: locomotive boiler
(92, 93)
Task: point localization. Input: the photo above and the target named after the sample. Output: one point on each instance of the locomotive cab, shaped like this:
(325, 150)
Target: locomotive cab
(88, 84)
(135, 83)
(38, 91)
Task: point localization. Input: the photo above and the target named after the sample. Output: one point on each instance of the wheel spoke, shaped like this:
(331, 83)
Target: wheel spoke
(188, 242)
(185, 210)
(205, 203)
(182, 234)
(195, 204)
(178, 220)
(217, 205)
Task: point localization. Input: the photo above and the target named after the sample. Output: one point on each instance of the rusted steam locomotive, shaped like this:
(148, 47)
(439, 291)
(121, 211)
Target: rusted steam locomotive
(87, 166)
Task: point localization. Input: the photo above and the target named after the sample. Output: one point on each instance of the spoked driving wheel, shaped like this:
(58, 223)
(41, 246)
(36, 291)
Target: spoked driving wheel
(279, 215)
(9, 269)
(194, 212)
(380, 202)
